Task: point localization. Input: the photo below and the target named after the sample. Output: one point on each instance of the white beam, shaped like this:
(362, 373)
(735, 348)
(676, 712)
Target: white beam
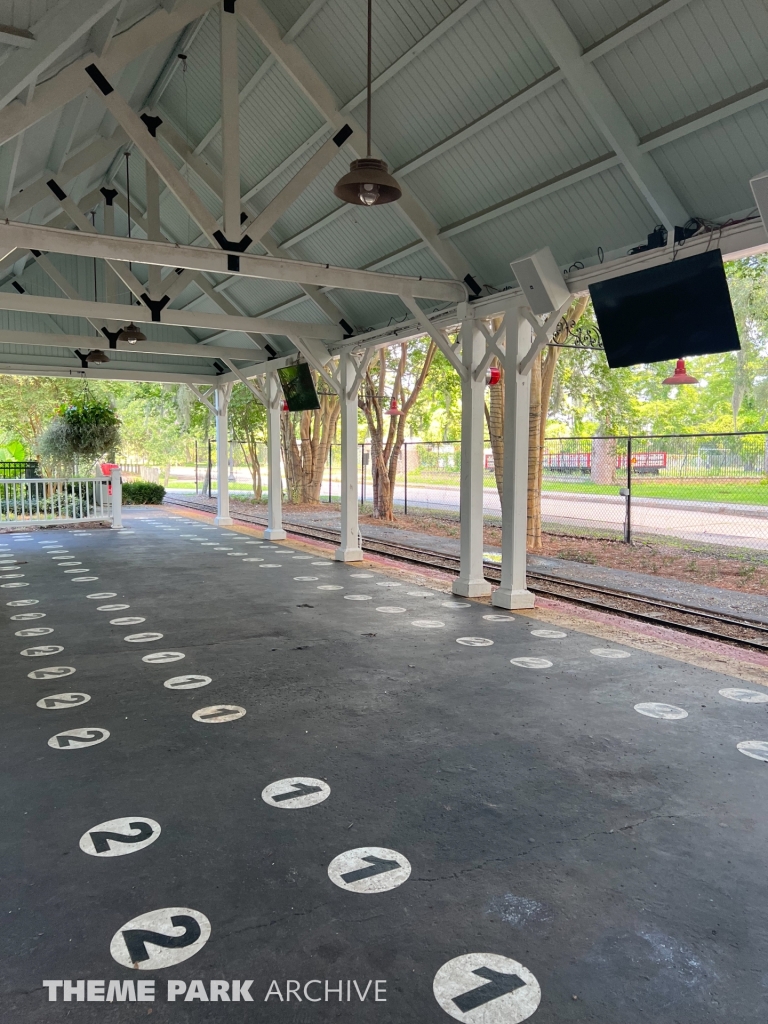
(213, 180)
(703, 118)
(169, 348)
(102, 373)
(222, 394)
(633, 28)
(230, 129)
(11, 36)
(68, 83)
(65, 132)
(603, 109)
(60, 29)
(274, 530)
(139, 133)
(152, 182)
(78, 243)
(260, 21)
(102, 32)
(141, 315)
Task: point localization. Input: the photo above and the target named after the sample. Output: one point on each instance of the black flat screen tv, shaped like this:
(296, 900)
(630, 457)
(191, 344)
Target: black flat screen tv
(298, 387)
(681, 308)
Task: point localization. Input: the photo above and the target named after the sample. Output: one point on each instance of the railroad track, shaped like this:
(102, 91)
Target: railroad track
(699, 621)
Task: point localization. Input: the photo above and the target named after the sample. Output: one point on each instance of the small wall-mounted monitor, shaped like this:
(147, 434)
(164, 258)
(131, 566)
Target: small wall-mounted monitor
(677, 309)
(298, 387)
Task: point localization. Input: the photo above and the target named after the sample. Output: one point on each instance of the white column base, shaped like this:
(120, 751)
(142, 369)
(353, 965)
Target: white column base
(512, 599)
(223, 521)
(275, 534)
(115, 527)
(348, 555)
(468, 588)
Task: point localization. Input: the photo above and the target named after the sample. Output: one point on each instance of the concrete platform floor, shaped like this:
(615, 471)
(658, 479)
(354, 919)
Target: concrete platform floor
(505, 798)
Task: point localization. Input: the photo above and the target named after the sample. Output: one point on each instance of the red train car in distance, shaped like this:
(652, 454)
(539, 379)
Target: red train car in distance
(581, 462)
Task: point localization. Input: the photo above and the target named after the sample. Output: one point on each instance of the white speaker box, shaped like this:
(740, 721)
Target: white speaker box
(760, 192)
(541, 281)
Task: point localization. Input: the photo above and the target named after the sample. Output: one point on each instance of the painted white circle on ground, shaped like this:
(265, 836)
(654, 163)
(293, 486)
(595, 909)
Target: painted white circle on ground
(531, 662)
(369, 869)
(83, 579)
(43, 651)
(253, 542)
(306, 579)
(427, 623)
(74, 739)
(208, 543)
(112, 607)
(160, 938)
(68, 562)
(235, 554)
(222, 549)
(390, 609)
(322, 563)
(51, 672)
(653, 709)
(329, 586)
(355, 597)
(186, 682)
(294, 793)
(34, 631)
(548, 634)
(63, 700)
(253, 559)
(485, 988)
(9, 586)
(23, 604)
(474, 641)
(120, 836)
(26, 616)
(270, 565)
(609, 652)
(163, 657)
(754, 748)
(142, 638)
(127, 620)
(362, 575)
(218, 713)
(388, 583)
(732, 693)
(99, 597)
(456, 604)
(301, 558)
(78, 571)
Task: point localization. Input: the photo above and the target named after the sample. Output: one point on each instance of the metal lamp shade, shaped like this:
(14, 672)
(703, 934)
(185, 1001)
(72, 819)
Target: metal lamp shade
(681, 375)
(368, 183)
(96, 356)
(131, 334)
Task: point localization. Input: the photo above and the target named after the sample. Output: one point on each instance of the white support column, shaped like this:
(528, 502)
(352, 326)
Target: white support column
(274, 529)
(230, 130)
(349, 550)
(117, 499)
(517, 399)
(470, 582)
(222, 393)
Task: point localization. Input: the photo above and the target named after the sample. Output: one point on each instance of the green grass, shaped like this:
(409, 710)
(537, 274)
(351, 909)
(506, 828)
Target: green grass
(732, 493)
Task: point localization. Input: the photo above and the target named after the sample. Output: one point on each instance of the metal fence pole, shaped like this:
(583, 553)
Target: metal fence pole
(196, 468)
(210, 469)
(405, 475)
(628, 527)
(330, 473)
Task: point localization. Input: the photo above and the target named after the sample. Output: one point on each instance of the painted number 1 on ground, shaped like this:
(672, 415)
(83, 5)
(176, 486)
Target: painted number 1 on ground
(484, 988)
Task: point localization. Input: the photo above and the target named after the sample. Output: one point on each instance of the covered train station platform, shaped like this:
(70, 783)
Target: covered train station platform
(327, 781)
(253, 778)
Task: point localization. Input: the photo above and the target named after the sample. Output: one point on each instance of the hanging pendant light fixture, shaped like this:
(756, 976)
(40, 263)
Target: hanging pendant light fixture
(96, 356)
(131, 334)
(394, 409)
(368, 182)
(681, 375)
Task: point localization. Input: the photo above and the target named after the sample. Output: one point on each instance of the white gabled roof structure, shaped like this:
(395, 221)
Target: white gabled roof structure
(510, 124)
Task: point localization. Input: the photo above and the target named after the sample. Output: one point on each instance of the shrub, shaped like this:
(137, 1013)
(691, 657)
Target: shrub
(142, 492)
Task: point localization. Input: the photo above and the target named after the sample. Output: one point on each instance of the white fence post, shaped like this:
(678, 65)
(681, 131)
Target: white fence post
(117, 499)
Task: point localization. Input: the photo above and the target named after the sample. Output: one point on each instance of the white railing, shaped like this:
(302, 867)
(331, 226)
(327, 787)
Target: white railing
(61, 500)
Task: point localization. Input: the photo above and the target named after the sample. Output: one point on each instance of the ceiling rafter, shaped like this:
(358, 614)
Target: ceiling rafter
(603, 109)
(260, 21)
